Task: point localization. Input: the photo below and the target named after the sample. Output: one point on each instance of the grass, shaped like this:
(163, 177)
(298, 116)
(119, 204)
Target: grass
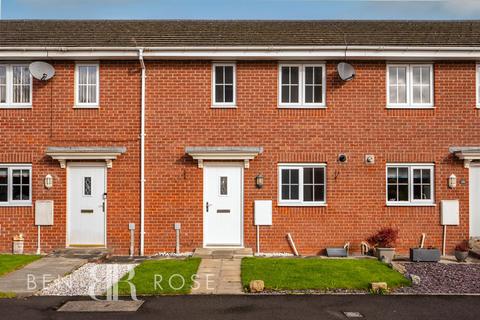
(158, 277)
(7, 295)
(319, 274)
(9, 262)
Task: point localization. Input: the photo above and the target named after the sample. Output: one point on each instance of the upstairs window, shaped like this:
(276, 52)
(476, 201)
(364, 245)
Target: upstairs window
(409, 86)
(87, 85)
(302, 184)
(15, 185)
(223, 85)
(302, 85)
(410, 184)
(15, 86)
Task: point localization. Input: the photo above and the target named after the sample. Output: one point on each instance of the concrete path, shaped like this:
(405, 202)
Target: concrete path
(219, 276)
(38, 274)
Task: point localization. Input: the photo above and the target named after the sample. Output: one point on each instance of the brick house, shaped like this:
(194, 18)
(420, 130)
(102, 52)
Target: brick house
(213, 115)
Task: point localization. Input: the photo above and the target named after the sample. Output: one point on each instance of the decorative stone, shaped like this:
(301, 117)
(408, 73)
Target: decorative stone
(378, 286)
(256, 286)
(415, 279)
(18, 244)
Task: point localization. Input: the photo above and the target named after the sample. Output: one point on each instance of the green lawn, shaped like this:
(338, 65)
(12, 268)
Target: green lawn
(156, 277)
(9, 262)
(320, 274)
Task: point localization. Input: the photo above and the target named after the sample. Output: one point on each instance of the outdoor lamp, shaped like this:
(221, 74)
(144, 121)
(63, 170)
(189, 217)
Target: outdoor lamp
(259, 181)
(48, 181)
(452, 181)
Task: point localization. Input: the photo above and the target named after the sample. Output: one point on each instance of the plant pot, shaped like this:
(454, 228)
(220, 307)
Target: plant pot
(385, 254)
(461, 255)
(424, 255)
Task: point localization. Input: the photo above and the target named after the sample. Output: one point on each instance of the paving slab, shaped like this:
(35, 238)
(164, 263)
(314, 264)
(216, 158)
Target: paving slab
(39, 274)
(101, 306)
(219, 276)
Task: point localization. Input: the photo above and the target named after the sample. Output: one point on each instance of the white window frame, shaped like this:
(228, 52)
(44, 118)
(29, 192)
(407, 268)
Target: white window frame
(301, 84)
(16, 203)
(9, 104)
(409, 104)
(232, 104)
(84, 105)
(411, 201)
(300, 202)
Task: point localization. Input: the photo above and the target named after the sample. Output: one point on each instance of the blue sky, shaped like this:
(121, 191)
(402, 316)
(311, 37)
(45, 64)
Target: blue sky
(240, 9)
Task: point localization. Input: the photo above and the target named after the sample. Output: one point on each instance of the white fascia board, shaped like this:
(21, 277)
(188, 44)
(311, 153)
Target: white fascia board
(240, 53)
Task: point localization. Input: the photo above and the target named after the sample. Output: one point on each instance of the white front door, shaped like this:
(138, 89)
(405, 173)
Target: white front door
(474, 201)
(223, 205)
(87, 207)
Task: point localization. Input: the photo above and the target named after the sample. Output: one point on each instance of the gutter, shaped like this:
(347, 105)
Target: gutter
(142, 155)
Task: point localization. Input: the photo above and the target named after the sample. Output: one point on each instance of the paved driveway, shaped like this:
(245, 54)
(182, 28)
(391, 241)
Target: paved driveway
(262, 307)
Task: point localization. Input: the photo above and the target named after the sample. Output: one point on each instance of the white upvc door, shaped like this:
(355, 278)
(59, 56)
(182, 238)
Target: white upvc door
(86, 189)
(223, 205)
(474, 201)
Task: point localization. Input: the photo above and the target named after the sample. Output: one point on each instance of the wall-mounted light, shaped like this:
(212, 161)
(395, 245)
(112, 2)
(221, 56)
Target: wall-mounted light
(452, 181)
(48, 181)
(259, 181)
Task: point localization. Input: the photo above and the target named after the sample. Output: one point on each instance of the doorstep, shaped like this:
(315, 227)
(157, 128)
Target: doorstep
(223, 253)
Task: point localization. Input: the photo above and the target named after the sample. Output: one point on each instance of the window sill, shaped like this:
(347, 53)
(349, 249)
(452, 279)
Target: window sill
(301, 204)
(223, 106)
(29, 204)
(10, 106)
(302, 107)
(411, 205)
(411, 107)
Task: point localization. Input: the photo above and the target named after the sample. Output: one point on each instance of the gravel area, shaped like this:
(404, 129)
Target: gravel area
(89, 279)
(443, 278)
(274, 254)
(174, 255)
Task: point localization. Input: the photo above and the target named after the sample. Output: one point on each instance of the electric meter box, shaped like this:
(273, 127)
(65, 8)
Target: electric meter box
(450, 212)
(263, 212)
(44, 212)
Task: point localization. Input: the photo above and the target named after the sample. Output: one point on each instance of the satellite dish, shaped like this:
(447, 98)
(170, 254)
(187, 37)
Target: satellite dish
(346, 71)
(41, 70)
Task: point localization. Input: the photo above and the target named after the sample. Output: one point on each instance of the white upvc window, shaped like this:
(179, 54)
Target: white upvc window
(410, 184)
(87, 85)
(302, 85)
(15, 86)
(301, 184)
(223, 85)
(15, 184)
(410, 86)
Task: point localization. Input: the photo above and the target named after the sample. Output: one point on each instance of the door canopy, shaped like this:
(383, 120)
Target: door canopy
(244, 154)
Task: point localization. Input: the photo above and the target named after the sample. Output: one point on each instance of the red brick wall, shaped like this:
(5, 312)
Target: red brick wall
(355, 122)
(26, 133)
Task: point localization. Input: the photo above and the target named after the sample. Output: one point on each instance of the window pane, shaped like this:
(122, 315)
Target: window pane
(294, 75)
(392, 75)
(92, 94)
(229, 75)
(229, 93)
(82, 75)
(294, 176)
(285, 75)
(426, 94)
(417, 192)
(294, 94)
(219, 93)
(285, 176)
(317, 93)
(402, 94)
(16, 174)
(218, 75)
(308, 193)
(426, 192)
(392, 175)
(393, 94)
(16, 194)
(3, 84)
(426, 176)
(3, 193)
(426, 75)
(319, 175)
(223, 186)
(417, 176)
(417, 94)
(82, 94)
(309, 75)
(403, 193)
(92, 75)
(416, 73)
(392, 192)
(285, 94)
(285, 192)
(319, 193)
(25, 193)
(87, 186)
(294, 192)
(3, 176)
(318, 75)
(402, 175)
(402, 76)
(308, 94)
(308, 175)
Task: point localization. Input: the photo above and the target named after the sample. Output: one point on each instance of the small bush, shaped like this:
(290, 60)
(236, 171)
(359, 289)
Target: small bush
(463, 246)
(384, 238)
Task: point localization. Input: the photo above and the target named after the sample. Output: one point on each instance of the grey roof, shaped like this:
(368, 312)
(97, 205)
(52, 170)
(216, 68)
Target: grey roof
(175, 33)
(86, 149)
(223, 149)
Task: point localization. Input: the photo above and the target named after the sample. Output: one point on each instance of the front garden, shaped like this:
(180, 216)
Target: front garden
(284, 274)
(9, 262)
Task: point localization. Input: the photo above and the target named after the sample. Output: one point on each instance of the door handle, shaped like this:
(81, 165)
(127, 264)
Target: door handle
(103, 206)
(207, 205)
